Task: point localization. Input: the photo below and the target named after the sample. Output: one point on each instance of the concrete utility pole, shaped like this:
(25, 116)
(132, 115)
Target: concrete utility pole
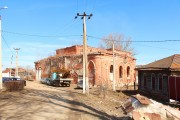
(114, 81)
(16, 73)
(1, 51)
(0, 56)
(49, 67)
(85, 59)
(10, 66)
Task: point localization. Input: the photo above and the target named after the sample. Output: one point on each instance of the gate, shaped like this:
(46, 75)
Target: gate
(174, 90)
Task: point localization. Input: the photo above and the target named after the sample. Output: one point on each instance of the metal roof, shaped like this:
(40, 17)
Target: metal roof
(171, 63)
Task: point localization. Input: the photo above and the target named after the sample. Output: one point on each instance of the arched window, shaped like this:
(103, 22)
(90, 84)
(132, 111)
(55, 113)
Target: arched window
(165, 83)
(128, 71)
(160, 81)
(153, 78)
(144, 78)
(120, 72)
(111, 69)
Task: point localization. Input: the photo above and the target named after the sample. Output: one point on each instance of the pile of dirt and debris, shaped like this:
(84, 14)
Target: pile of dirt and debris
(120, 104)
(140, 107)
(106, 101)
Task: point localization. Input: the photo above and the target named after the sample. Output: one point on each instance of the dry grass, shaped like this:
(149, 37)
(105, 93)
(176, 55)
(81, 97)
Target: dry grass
(104, 99)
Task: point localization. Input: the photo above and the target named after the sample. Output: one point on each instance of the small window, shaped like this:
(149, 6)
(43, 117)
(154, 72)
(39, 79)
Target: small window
(153, 79)
(120, 72)
(128, 71)
(160, 81)
(111, 69)
(144, 78)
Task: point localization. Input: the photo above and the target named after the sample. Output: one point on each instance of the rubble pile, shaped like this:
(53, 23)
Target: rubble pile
(141, 108)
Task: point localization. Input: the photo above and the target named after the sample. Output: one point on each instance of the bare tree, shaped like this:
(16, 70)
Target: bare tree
(27, 73)
(120, 42)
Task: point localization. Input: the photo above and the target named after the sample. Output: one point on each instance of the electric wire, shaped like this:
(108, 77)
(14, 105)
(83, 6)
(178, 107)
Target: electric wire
(93, 6)
(77, 6)
(158, 47)
(67, 30)
(134, 41)
(7, 44)
(85, 5)
(36, 35)
(67, 26)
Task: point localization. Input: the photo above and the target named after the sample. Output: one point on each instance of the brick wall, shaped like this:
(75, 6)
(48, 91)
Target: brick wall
(99, 61)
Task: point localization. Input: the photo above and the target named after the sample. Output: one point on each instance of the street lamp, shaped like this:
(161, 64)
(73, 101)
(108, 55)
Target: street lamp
(5, 7)
(1, 50)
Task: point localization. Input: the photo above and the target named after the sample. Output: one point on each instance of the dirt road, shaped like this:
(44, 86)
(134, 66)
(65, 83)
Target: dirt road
(42, 102)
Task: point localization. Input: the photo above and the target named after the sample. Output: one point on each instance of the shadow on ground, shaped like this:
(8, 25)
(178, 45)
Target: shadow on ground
(24, 99)
(129, 92)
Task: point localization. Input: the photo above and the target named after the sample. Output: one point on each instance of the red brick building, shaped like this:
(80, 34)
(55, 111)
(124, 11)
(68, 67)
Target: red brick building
(100, 65)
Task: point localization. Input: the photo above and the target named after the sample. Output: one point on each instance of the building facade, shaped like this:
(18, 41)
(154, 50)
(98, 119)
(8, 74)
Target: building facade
(156, 78)
(100, 65)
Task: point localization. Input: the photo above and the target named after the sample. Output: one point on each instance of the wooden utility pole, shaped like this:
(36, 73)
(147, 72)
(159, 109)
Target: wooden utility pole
(16, 49)
(85, 59)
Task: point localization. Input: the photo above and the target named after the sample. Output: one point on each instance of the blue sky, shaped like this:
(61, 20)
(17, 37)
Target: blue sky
(142, 20)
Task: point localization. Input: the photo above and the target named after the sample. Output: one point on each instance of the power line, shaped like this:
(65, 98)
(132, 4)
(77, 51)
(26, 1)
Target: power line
(85, 5)
(77, 5)
(134, 41)
(158, 47)
(68, 26)
(35, 35)
(93, 6)
(7, 44)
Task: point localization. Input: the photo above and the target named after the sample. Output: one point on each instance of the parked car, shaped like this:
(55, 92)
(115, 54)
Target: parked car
(4, 79)
(44, 80)
(49, 82)
(15, 78)
(80, 82)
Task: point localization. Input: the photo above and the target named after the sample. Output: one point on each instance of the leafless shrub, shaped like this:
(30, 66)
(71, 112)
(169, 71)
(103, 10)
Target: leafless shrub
(102, 90)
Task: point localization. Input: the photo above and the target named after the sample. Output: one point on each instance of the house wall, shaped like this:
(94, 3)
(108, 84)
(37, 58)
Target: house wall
(145, 80)
(103, 75)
